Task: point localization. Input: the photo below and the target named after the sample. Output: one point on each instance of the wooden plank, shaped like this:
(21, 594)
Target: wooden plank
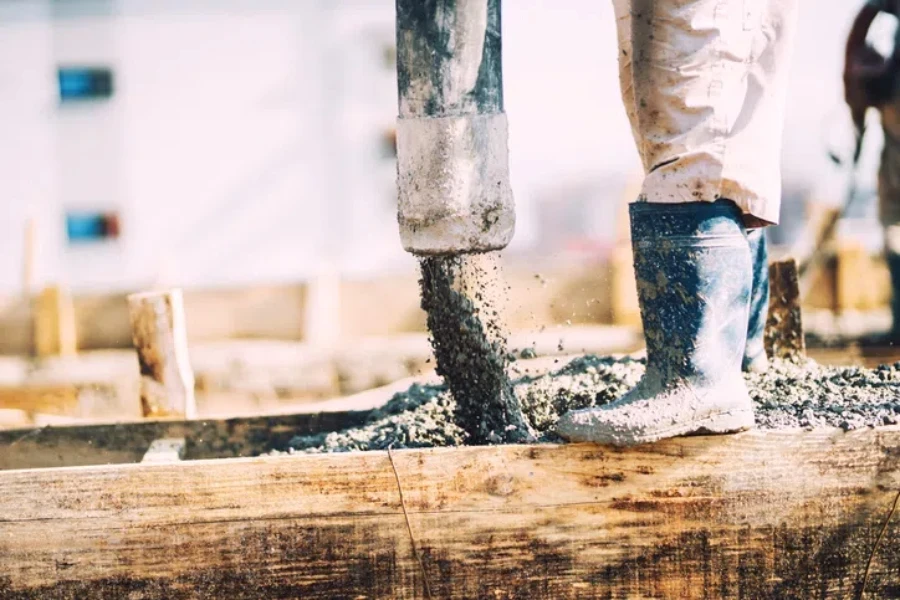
(47, 399)
(114, 443)
(758, 515)
(380, 306)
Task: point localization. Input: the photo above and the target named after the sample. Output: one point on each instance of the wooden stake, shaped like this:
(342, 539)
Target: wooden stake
(160, 338)
(784, 336)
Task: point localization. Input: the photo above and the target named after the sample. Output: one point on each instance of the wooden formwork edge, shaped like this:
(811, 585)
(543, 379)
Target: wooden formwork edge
(764, 514)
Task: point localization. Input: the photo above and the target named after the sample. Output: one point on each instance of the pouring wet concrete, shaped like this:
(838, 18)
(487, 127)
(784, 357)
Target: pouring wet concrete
(469, 342)
(804, 395)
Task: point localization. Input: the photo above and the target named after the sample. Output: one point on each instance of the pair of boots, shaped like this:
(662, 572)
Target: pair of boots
(702, 282)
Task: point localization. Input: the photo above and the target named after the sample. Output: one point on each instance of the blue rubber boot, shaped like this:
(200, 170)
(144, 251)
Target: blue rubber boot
(755, 359)
(893, 263)
(694, 275)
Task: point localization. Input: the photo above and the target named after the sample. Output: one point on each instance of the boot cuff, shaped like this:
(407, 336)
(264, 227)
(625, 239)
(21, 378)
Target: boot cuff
(655, 220)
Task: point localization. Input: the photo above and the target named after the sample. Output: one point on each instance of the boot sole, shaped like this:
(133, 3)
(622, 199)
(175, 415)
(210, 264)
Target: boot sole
(718, 423)
(728, 422)
(721, 423)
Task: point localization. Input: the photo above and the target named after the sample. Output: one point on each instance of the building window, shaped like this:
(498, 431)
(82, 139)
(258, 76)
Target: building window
(84, 227)
(77, 84)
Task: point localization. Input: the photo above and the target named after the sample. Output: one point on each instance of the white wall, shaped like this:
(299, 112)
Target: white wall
(211, 147)
(224, 172)
(27, 136)
(243, 140)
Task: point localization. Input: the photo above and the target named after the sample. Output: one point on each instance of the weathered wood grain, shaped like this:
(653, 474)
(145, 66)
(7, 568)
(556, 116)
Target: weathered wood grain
(758, 515)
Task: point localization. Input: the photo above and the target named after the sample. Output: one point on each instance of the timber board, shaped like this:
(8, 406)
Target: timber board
(762, 515)
(126, 442)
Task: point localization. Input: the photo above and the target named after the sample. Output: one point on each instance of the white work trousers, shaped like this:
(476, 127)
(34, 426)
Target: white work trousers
(704, 84)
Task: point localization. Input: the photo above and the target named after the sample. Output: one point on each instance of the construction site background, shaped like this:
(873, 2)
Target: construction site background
(250, 141)
(243, 150)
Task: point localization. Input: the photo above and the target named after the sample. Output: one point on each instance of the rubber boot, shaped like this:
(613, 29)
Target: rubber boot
(693, 270)
(755, 359)
(893, 263)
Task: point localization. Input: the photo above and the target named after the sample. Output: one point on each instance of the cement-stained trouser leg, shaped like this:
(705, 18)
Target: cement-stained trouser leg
(704, 84)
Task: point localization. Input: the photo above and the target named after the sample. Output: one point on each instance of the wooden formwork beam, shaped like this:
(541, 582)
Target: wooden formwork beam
(47, 399)
(758, 515)
(114, 443)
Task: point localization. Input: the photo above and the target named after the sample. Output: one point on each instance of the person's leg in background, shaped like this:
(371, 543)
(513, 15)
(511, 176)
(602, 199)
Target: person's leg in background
(755, 359)
(704, 86)
(871, 81)
(892, 258)
(889, 215)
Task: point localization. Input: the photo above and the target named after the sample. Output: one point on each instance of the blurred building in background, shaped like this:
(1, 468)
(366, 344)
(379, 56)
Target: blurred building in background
(226, 142)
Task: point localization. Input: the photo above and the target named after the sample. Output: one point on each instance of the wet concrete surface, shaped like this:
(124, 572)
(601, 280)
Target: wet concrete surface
(803, 394)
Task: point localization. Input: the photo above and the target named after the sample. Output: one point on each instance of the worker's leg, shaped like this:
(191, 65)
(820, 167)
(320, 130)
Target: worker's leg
(892, 258)
(893, 262)
(622, 9)
(889, 213)
(708, 80)
(708, 84)
(755, 359)
(695, 325)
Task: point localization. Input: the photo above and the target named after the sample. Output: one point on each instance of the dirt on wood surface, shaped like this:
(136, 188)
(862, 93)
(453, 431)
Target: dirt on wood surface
(791, 395)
